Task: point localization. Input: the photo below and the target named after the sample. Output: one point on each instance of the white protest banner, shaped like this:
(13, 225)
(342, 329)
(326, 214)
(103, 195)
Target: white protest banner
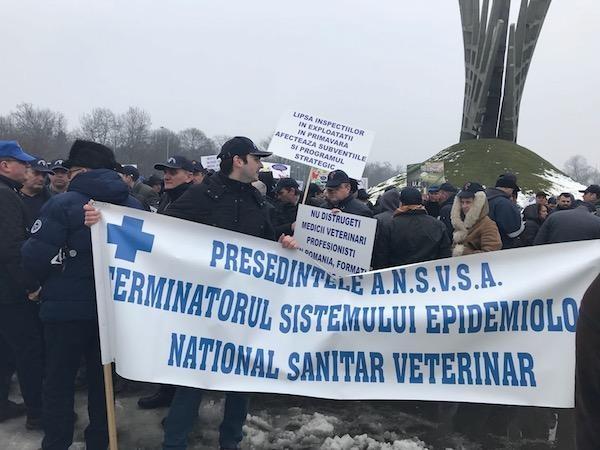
(210, 162)
(277, 169)
(193, 305)
(322, 143)
(342, 243)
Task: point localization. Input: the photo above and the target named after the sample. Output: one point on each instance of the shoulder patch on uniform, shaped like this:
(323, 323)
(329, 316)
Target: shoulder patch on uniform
(36, 226)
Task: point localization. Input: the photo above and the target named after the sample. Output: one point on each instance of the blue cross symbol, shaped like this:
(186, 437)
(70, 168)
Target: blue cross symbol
(129, 238)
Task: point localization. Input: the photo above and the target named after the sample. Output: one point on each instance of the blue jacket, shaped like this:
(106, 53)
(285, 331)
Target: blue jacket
(506, 215)
(59, 251)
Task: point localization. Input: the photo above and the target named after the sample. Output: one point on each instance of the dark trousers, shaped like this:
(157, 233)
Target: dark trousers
(20, 332)
(66, 343)
(7, 368)
(184, 412)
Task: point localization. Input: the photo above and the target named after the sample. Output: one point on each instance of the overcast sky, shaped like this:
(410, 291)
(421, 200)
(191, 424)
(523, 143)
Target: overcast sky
(233, 67)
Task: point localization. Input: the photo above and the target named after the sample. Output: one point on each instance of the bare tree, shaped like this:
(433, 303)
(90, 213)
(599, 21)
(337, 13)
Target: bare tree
(101, 125)
(195, 143)
(134, 129)
(378, 171)
(578, 168)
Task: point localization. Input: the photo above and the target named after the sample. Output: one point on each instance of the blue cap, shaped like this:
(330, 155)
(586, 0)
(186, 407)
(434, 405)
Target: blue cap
(41, 166)
(433, 189)
(11, 149)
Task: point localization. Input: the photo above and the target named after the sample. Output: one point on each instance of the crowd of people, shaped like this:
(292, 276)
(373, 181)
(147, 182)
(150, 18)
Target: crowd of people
(48, 319)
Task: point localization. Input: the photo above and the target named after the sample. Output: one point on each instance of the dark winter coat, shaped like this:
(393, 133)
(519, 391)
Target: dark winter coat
(532, 225)
(445, 215)
(59, 251)
(171, 195)
(412, 237)
(569, 225)
(145, 194)
(506, 215)
(225, 203)
(283, 216)
(587, 371)
(34, 204)
(475, 232)
(349, 205)
(14, 229)
(389, 202)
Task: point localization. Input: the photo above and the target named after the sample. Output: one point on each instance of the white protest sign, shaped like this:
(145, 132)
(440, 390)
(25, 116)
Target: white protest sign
(277, 169)
(193, 305)
(210, 162)
(322, 143)
(342, 243)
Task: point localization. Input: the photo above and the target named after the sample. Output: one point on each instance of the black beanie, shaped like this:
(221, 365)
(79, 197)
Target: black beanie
(90, 155)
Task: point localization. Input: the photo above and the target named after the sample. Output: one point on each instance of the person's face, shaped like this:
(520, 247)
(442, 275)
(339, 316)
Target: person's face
(443, 196)
(434, 196)
(337, 194)
(59, 180)
(176, 177)
(543, 212)
(541, 200)
(590, 197)
(34, 180)
(466, 204)
(247, 172)
(13, 169)
(287, 195)
(126, 179)
(198, 177)
(564, 202)
(156, 188)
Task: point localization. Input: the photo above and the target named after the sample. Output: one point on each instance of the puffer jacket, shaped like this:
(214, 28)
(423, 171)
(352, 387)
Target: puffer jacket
(59, 251)
(475, 232)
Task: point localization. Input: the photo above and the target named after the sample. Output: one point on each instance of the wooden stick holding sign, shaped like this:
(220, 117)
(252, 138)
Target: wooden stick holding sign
(308, 181)
(110, 407)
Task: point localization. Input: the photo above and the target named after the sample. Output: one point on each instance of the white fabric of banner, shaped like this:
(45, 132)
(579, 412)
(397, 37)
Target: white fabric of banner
(188, 304)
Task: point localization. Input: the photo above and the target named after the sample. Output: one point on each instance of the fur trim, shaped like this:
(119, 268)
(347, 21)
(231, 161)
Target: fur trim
(458, 250)
(479, 210)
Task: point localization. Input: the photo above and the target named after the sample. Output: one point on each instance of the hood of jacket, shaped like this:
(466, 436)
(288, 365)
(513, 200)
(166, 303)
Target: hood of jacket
(390, 200)
(493, 193)
(101, 184)
(478, 211)
(531, 213)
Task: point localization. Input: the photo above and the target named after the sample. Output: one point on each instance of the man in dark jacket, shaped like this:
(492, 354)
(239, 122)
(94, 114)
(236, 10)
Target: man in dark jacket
(413, 236)
(591, 195)
(432, 205)
(225, 200)
(59, 254)
(19, 325)
(286, 209)
(446, 196)
(144, 193)
(577, 224)
(59, 181)
(178, 176)
(34, 191)
(503, 211)
(338, 195)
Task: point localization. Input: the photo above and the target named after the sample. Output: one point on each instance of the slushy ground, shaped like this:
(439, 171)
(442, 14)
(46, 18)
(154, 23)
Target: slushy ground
(275, 422)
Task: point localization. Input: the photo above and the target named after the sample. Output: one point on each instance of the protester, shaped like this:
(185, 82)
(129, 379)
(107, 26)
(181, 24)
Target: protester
(34, 192)
(534, 218)
(474, 231)
(338, 195)
(178, 175)
(199, 172)
(591, 195)
(225, 200)
(432, 205)
(363, 196)
(446, 195)
(565, 201)
(59, 254)
(59, 182)
(145, 194)
(577, 224)
(286, 209)
(503, 211)
(315, 195)
(156, 183)
(587, 372)
(413, 236)
(389, 203)
(19, 324)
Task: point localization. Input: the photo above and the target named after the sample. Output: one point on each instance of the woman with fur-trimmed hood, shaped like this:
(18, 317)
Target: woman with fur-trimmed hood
(474, 231)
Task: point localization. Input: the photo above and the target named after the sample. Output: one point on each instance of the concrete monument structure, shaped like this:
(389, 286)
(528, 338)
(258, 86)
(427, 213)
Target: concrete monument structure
(496, 70)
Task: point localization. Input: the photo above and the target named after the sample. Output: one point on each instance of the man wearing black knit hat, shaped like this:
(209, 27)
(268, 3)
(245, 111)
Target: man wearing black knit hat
(59, 255)
(503, 211)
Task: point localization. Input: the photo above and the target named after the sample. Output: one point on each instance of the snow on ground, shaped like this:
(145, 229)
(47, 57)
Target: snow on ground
(561, 183)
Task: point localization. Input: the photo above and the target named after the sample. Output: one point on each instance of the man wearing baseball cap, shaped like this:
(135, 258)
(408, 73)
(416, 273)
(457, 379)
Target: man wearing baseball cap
(225, 200)
(591, 195)
(178, 176)
(34, 192)
(19, 323)
(503, 211)
(144, 193)
(338, 195)
(59, 181)
(287, 191)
